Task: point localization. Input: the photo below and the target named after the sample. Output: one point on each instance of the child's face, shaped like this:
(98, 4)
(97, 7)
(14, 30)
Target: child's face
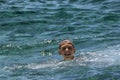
(67, 50)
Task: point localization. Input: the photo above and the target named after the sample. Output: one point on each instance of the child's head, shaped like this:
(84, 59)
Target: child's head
(66, 49)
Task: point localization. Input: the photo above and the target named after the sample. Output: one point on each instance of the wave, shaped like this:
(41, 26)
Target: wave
(100, 59)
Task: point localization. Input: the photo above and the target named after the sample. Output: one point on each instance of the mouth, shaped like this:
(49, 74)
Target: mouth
(67, 54)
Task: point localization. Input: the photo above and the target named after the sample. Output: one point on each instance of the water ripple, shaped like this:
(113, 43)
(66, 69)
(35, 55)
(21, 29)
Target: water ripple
(30, 32)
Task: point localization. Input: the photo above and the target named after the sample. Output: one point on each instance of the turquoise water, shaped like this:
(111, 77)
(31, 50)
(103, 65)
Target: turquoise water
(30, 31)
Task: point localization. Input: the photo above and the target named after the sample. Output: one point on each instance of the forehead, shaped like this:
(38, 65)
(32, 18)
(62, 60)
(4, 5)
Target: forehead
(66, 44)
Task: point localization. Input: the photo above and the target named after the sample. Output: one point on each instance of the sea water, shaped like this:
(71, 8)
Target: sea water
(30, 32)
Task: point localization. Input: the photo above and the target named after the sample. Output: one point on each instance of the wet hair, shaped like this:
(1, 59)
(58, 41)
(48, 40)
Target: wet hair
(64, 41)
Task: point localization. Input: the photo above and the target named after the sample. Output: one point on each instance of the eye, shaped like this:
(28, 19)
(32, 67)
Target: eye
(70, 48)
(63, 48)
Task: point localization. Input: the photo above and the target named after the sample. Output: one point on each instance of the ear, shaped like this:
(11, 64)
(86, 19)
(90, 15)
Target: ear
(74, 50)
(59, 51)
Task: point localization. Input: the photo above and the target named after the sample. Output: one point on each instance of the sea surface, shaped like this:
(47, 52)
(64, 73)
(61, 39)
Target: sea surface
(30, 32)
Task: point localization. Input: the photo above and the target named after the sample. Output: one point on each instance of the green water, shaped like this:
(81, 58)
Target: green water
(30, 31)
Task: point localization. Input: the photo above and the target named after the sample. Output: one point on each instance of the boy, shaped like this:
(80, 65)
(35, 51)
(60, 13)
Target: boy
(66, 49)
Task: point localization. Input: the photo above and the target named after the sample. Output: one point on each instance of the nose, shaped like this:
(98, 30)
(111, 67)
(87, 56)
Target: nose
(66, 49)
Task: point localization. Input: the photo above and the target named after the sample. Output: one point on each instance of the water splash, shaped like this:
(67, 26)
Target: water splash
(103, 58)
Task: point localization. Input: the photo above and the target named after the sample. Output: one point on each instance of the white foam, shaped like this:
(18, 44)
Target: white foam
(38, 66)
(108, 57)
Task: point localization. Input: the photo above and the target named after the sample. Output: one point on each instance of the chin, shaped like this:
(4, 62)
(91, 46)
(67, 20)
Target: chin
(68, 57)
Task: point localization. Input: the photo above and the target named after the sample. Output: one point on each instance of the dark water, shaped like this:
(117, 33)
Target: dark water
(30, 31)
